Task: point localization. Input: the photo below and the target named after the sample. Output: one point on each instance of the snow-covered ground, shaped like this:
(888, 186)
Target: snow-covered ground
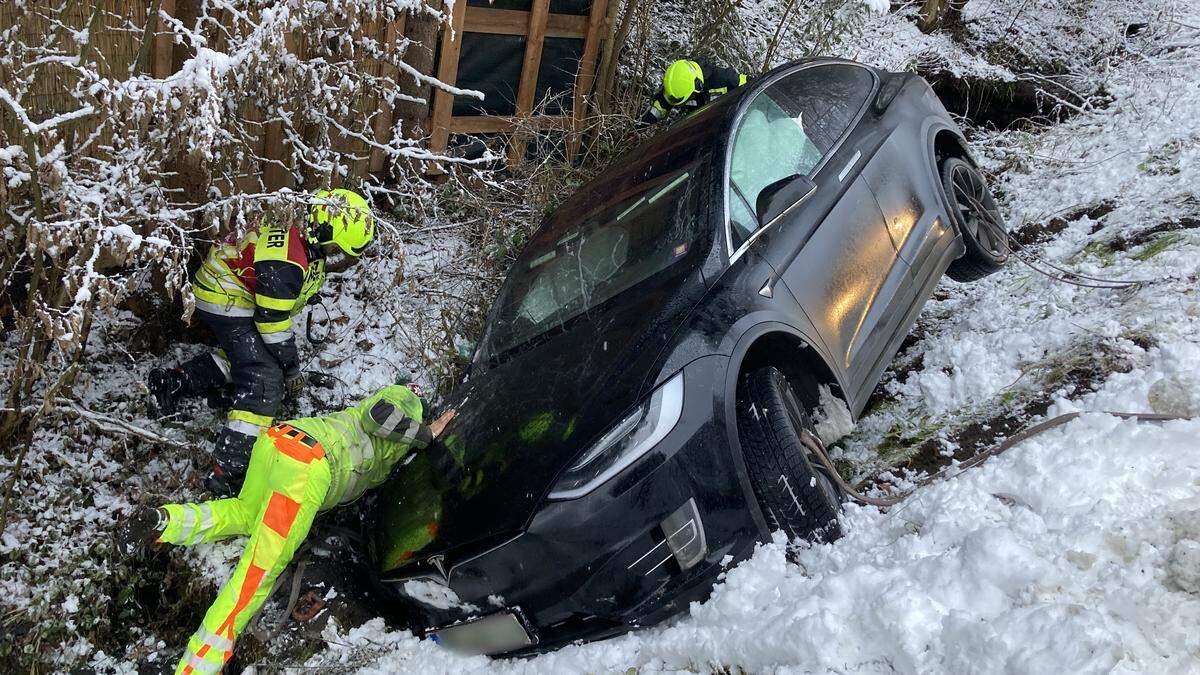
(1076, 551)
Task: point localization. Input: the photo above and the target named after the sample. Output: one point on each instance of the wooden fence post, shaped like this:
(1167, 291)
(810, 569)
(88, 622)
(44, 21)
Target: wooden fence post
(164, 45)
(275, 173)
(530, 66)
(443, 102)
(587, 73)
(381, 126)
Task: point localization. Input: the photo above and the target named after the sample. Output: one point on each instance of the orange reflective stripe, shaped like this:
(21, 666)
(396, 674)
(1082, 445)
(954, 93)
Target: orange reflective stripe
(280, 513)
(254, 575)
(295, 443)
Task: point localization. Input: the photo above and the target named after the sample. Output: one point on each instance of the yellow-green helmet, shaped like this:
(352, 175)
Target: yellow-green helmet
(341, 217)
(681, 81)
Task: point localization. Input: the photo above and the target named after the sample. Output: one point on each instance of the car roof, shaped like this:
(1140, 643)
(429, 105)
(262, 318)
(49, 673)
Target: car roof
(707, 127)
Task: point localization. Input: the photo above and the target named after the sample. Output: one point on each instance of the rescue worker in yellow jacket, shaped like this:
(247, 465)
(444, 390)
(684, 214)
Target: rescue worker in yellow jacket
(297, 469)
(691, 84)
(248, 291)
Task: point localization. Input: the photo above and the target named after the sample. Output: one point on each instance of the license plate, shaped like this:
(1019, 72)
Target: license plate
(494, 634)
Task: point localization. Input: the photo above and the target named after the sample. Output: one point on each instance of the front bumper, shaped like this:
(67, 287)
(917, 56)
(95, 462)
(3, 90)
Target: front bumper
(635, 551)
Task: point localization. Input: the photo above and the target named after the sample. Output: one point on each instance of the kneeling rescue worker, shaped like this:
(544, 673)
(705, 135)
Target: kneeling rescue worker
(247, 291)
(691, 84)
(297, 469)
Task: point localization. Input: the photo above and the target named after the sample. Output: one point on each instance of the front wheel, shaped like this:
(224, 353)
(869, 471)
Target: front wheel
(977, 219)
(793, 490)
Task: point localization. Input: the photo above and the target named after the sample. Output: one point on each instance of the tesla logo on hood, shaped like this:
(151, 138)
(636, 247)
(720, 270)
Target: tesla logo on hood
(439, 563)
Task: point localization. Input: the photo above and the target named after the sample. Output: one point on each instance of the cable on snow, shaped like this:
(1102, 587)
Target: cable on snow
(818, 450)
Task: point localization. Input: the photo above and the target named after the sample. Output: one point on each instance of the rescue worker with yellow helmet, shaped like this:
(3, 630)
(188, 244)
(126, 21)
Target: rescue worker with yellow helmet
(692, 84)
(297, 469)
(248, 291)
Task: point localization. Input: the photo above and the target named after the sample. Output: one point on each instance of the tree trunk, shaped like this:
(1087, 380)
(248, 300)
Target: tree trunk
(936, 14)
(606, 52)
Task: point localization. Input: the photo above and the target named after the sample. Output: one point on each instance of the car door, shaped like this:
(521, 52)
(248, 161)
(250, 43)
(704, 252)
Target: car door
(906, 186)
(832, 250)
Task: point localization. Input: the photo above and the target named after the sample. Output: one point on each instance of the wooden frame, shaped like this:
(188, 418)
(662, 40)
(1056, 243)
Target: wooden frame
(535, 25)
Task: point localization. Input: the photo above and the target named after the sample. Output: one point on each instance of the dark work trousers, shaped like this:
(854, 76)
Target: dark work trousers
(258, 387)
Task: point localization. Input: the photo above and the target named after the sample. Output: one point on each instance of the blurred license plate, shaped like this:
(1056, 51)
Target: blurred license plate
(493, 634)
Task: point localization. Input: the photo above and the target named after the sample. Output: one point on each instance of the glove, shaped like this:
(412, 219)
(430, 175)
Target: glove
(293, 384)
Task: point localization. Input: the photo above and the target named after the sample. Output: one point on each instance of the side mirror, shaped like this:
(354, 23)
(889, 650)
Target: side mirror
(776, 198)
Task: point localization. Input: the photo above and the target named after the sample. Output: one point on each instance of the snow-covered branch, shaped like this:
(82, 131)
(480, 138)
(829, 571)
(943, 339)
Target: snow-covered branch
(116, 182)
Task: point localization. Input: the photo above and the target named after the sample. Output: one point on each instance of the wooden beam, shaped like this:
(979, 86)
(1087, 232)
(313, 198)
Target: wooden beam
(164, 45)
(482, 124)
(529, 71)
(385, 115)
(443, 102)
(516, 22)
(587, 73)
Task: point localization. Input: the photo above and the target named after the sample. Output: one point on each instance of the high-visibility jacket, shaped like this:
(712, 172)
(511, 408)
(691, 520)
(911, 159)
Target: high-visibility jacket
(298, 468)
(717, 80)
(364, 442)
(269, 274)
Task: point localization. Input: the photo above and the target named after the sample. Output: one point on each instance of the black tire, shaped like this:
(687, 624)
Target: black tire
(977, 219)
(796, 494)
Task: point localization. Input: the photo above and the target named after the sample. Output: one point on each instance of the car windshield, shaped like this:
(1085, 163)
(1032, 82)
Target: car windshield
(565, 272)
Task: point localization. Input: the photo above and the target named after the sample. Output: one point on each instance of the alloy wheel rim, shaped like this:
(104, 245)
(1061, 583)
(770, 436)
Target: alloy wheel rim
(971, 200)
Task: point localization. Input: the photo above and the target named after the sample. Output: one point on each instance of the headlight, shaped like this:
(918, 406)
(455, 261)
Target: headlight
(628, 440)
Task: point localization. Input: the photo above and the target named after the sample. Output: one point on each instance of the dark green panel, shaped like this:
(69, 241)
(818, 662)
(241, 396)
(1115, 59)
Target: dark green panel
(490, 64)
(556, 76)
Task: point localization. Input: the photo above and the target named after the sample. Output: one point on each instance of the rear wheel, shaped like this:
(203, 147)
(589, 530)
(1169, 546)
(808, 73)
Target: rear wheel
(795, 492)
(977, 219)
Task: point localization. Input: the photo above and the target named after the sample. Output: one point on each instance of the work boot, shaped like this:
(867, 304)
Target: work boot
(222, 483)
(231, 458)
(166, 387)
(142, 528)
(220, 398)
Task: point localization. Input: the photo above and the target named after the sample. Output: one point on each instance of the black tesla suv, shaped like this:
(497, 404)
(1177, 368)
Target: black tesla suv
(629, 426)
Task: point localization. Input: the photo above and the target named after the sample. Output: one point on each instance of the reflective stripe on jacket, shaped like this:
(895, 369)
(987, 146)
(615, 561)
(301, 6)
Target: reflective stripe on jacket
(268, 274)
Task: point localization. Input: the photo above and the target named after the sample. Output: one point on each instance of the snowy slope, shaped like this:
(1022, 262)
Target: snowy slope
(1078, 550)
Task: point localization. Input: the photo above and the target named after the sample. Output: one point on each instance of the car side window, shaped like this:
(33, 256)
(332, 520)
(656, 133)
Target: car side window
(786, 130)
(742, 219)
(828, 98)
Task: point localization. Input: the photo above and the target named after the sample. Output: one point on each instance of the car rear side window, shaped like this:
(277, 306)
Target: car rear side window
(788, 129)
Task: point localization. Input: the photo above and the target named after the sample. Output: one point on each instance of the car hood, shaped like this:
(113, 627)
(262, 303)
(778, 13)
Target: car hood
(520, 423)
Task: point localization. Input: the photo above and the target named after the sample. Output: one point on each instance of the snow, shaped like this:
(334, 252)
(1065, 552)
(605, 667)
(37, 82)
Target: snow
(833, 419)
(435, 595)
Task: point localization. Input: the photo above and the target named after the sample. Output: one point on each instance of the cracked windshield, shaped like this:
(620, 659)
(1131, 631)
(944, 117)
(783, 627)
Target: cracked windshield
(565, 274)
